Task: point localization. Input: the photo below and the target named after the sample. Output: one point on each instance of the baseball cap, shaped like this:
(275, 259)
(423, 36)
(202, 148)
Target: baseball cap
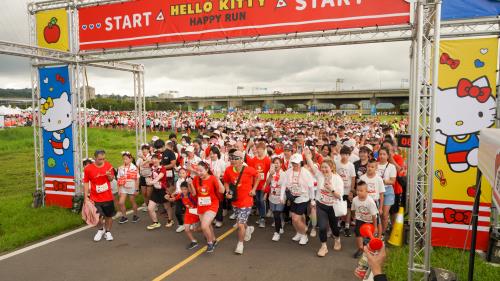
(155, 138)
(296, 158)
(238, 154)
(288, 147)
(190, 149)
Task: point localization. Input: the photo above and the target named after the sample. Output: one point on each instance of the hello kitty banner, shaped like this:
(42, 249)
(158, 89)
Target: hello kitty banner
(465, 104)
(57, 119)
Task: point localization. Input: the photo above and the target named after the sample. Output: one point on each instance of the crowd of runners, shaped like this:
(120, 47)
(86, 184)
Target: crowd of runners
(325, 177)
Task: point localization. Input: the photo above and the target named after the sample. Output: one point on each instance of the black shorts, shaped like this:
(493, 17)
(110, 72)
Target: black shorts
(397, 202)
(142, 181)
(349, 202)
(358, 226)
(106, 209)
(158, 196)
(299, 208)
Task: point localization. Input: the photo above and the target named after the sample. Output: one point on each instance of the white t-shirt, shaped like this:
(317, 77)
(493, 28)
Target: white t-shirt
(301, 184)
(375, 186)
(327, 188)
(218, 167)
(346, 172)
(277, 188)
(386, 171)
(364, 210)
(131, 174)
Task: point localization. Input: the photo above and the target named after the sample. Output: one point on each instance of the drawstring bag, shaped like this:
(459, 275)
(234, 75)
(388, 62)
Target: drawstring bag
(89, 213)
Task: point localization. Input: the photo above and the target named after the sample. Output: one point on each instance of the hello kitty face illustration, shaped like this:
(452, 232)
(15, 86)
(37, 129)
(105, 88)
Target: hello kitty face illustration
(56, 113)
(465, 109)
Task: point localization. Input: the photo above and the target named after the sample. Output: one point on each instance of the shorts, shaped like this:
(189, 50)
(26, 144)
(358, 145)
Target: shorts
(127, 190)
(142, 181)
(358, 226)
(190, 218)
(158, 196)
(389, 196)
(397, 202)
(106, 209)
(242, 214)
(277, 207)
(299, 208)
(349, 202)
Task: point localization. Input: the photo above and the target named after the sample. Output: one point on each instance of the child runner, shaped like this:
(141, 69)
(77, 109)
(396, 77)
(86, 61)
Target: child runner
(365, 211)
(144, 164)
(375, 186)
(128, 185)
(346, 171)
(179, 207)
(159, 182)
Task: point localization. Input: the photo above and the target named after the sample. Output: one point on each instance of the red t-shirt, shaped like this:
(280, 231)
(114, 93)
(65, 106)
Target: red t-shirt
(262, 167)
(207, 194)
(100, 187)
(243, 198)
(156, 173)
(398, 189)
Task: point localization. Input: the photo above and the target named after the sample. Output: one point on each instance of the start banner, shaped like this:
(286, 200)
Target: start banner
(150, 22)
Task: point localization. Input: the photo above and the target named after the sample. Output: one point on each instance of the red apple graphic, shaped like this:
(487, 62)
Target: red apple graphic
(52, 32)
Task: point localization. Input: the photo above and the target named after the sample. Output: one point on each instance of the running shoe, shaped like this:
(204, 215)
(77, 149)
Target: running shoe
(169, 223)
(98, 235)
(239, 248)
(192, 245)
(154, 226)
(218, 224)
(323, 251)
(248, 233)
(210, 247)
(347, 232)
(282, 231)
(313, 232)
(337, 246)
(135, 219)
(180, 229)
(262, 223)
(108, 236)
(358, 254)
(123, 220)
(276, 237)
(303, 240)
(297, 237)
(232, 216)
(216, 243)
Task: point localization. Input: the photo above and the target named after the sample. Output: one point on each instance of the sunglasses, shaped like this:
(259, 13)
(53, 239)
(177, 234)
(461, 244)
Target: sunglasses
(234, 158)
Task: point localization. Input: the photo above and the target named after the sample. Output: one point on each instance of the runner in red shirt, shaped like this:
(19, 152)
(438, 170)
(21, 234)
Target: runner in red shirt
(206, 187)
(97, 179)
(261, 163)
(245, 190)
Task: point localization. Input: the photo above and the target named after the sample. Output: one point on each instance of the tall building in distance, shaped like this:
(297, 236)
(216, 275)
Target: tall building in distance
(89, 91)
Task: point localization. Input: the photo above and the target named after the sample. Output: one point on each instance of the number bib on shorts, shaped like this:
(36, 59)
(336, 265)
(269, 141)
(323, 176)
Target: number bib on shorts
(204, 201)
(100, 188)
(326, 198)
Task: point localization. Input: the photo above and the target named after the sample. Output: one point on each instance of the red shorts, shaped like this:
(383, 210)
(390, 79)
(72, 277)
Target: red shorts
(190, 218)
(214, 208)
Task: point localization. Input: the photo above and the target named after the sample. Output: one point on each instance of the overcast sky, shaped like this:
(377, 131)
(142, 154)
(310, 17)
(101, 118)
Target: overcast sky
(361, 66)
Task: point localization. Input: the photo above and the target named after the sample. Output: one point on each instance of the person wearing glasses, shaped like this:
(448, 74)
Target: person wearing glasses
(128, 186)
(97, 179)
(244, 180)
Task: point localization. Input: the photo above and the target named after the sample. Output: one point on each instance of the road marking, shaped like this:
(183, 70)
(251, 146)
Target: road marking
(48, 241)
(191, 258)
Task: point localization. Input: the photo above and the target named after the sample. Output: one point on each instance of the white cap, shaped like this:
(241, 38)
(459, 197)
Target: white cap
(155, 138)
(351, 143)
(217, 132)
(296, 158)
(190, 148)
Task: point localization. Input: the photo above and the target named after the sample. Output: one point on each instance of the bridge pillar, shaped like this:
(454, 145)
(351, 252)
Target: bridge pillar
(234, 103)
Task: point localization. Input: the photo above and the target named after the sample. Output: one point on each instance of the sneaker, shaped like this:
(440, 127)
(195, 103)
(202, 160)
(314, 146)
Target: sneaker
(303, 240)
(232, 216)
(282, 231)
(216, 243)
(262, 223)
(358, 254)
(180, 229)
(169, 223)
(154, 226)
(269, 214)
(210, 247)
(235, 225)
(248, 233)
(98, 235)
(239, 248)
(135, 219)
(276, 237)
(313, 232)
(323, 251)
(108, 236)
(192, 245)
(337, 246)
(273, 224)
(297, 237)
(218, 224)
(347, 232)
(123, 220)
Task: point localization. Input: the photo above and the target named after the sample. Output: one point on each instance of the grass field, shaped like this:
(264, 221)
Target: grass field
(20, 224)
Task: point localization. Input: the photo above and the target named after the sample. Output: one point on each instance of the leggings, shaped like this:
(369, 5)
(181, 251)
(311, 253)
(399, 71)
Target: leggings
(179, 212)
(326, 216)
(261, 204)
(277, 221)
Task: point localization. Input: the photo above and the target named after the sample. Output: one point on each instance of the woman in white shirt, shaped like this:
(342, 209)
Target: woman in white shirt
(274, 183)
(387, 171)
(218, 166)
(128, 185)
(299, 184)
(330, 192)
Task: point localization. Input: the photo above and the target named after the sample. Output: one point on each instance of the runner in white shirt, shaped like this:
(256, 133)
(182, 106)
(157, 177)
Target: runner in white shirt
(128, 185)
(274, 183)
(218, 167)
(375, 186)
(346, 170)
(191, 161)
(388, 173)
(365, 211)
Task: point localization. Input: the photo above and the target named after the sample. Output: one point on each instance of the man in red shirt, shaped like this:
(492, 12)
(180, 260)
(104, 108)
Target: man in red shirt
(97, 188)
(261, 163)
(245, 190)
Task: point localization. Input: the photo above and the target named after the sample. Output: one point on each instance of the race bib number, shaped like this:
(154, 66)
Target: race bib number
(193, 211)
(261, 176)
(326, 197)
(100, 188)
(170, 174)
(295, 189)
(204, 201)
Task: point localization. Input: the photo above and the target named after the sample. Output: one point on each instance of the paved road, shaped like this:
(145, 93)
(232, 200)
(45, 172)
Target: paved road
(138, 254)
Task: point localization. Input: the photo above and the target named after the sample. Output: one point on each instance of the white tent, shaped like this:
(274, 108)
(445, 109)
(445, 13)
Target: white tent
(9, 110)
(489, 160)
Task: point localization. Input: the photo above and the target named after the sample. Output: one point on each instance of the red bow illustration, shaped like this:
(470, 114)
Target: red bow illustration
(455, 216)
(60, 78)
(467, 88)
(445, 59)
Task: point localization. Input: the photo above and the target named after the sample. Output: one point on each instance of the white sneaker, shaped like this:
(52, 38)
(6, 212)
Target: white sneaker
(108, 236)
(98, 235)
(269, 214)
(218, 224)
(239, 248)
(232, 216)
(248, 233)
(180, 229)
(235, 225)
(282, 231)
(276, 237)
(297, 237)
(313, 232)
(303, 240)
